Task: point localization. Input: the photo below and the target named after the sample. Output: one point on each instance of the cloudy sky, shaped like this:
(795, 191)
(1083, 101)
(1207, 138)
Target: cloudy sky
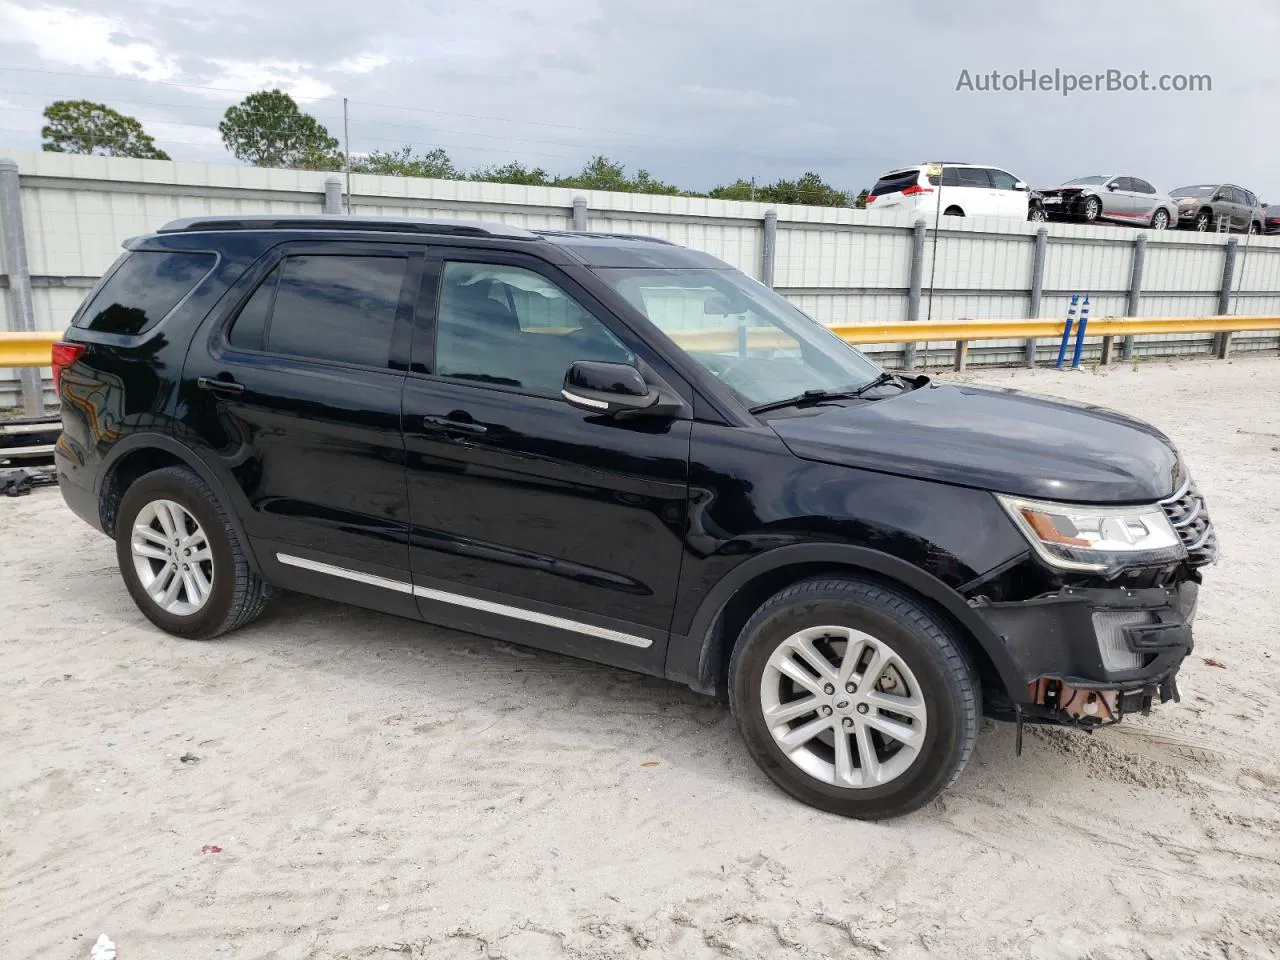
(699, 92)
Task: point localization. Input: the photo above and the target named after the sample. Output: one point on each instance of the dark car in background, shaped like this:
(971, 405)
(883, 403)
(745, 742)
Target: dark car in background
(1271, 220)
(1118, 199)
(622, 450)
(1218, 207)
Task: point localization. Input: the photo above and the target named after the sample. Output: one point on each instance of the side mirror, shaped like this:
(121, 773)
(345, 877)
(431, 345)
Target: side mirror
(1021, 185)
(608, 389)
(1111, 185)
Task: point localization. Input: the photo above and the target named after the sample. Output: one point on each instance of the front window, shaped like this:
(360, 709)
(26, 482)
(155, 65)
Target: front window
(1086, 181)
(748, 337)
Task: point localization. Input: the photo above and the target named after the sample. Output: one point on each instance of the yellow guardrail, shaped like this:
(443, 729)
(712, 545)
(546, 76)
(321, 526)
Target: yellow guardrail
(32, 349)
(26, 349)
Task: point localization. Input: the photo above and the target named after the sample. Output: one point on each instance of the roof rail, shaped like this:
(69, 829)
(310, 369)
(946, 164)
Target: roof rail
(456, 228)
(605, 236)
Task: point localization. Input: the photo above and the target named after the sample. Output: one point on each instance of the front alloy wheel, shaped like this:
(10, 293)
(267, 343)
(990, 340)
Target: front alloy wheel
(854, 696)
(1092, 209)
(843, 706)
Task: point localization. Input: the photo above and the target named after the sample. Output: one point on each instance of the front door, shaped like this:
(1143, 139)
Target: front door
(1012, 202)
(298, 397)
(532, 520)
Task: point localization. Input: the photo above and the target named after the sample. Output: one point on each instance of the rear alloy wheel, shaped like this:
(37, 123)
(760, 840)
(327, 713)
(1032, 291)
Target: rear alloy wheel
(854, 698)
(1160, 221)
(172, 557)
(181, 558)
(1092, 209)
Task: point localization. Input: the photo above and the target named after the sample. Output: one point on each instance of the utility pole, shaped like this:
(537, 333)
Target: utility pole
(346, 136)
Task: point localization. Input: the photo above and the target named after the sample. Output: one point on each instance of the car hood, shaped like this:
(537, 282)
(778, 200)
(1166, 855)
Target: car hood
(999, 440)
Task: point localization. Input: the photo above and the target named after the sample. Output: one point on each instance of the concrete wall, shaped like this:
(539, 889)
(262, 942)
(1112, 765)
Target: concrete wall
(840, 266)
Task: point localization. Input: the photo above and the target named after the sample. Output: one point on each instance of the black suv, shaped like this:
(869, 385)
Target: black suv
(619, 449)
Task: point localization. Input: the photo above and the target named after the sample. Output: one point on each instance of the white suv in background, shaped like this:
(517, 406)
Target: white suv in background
(962, 189)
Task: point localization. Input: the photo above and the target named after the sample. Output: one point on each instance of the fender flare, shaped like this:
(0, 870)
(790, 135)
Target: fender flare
(706, 641)
(160, 441)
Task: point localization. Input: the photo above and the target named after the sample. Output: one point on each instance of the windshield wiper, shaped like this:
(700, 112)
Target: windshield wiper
(879, 381)
(805, 399)
(810, 397)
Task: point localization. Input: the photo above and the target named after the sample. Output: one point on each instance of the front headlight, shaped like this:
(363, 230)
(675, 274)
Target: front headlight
(1094, 538)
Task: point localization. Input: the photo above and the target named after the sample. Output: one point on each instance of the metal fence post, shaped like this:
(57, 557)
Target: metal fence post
(1222, 342)
(1037, 287)
(19, 272)
(580, 214)
(769, 248)
(1135, 292)
(333, 195)
(915, 282)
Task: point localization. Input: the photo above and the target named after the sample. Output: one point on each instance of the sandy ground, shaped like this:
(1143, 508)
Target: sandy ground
(381, 789)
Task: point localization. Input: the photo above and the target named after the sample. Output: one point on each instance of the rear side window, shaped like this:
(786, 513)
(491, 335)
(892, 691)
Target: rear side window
(1142, 186)
(895, 182)
(972, 177)
(325, 308)
(143, 290)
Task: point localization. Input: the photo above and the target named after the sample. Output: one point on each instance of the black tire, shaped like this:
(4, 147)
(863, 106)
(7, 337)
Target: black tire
(238, 596)
(924, 641)
(1037, 215)
(953, 212)
(1160, 220)
(1092, 211)
(1203, 221)
(1255, 228)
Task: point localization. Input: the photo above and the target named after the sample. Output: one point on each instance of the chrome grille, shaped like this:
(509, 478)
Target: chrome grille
(1186, 511)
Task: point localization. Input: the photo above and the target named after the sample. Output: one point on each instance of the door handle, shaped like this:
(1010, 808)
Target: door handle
(216, 385)
(449, 425)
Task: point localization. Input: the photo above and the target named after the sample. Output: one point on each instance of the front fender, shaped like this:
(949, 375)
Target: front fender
(694, 659)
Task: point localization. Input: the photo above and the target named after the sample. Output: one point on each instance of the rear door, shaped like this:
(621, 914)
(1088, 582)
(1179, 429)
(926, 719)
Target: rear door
(532, 520)
(1241, 212)
(1145, 199)
(969, 189)
(298, 393)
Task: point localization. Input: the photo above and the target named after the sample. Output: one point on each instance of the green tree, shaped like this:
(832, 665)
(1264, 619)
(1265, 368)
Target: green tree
(267, 129)
(738, 190)
(601, 173)
(434, 164)
(809, 189)
(80, 126)
(513, 172)
(861, 202)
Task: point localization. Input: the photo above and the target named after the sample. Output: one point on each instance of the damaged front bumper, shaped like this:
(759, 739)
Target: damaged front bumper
(1091, 655)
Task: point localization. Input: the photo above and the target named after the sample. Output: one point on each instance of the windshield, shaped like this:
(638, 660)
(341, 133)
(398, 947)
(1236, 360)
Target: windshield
(750, 338)
(1201, 190)
(1084, 181)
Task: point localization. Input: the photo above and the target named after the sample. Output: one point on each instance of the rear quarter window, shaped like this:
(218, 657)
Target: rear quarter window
(143, 290)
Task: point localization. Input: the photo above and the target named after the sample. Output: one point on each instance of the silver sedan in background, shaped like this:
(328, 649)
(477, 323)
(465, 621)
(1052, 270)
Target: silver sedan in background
(1118, 199)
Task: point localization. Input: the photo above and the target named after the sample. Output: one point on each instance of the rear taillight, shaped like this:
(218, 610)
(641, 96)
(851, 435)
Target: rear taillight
(914, 189)
(870, 199)
(64, 355)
